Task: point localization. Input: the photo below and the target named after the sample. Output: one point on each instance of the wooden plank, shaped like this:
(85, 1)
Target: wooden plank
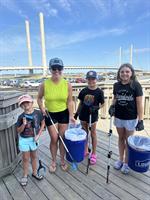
(129, 178)
(139, 176)
(62, 187)
(76, 185)
(91, 184)
(114, 180)
(98, 189)
(4, 194)
(123, 181)
(101, 180)
(102, 147)
(47, 188)
(7, 147)
(14, 188)
(1, 153)
(31, 189)
(104, 183)
(14, 139)
(11, 143)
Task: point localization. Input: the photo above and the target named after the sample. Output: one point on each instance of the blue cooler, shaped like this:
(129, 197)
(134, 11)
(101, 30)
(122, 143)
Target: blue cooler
(139, 153)
(75, 140)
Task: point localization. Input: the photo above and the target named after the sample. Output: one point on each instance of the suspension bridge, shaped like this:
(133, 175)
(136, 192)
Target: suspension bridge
(66, 67)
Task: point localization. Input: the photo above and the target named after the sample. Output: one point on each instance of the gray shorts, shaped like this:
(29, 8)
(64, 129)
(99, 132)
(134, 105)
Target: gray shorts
(127, 124)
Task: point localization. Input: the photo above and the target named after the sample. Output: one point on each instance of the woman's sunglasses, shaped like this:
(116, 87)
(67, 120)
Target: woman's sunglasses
(57, 68)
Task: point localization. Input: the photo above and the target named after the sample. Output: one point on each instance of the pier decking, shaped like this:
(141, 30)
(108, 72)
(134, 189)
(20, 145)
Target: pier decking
(76, 185)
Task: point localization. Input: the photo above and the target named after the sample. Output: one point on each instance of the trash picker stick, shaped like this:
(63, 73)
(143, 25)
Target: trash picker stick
(109, 151)
(41, 166)
(89, 146)
(61, 139)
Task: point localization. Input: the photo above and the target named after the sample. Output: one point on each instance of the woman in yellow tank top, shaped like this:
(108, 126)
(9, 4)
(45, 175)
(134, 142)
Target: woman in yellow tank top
(57, 94)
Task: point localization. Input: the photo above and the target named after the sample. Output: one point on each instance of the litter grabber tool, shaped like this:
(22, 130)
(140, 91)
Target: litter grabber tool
(41, 168)
(74, 165)
(109, 150)
(89, 143)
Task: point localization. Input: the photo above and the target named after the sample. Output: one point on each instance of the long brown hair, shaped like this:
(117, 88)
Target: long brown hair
(132, 78)
(128, 65)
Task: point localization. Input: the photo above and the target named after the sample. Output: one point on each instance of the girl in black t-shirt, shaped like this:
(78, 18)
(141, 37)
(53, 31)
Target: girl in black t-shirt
(91, 99)
(127, 109)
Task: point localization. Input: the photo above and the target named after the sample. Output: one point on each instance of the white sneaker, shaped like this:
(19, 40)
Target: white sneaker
(125, 169)
(118, 164)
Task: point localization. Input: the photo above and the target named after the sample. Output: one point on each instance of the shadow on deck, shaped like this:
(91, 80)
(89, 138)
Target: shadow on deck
(76, 185)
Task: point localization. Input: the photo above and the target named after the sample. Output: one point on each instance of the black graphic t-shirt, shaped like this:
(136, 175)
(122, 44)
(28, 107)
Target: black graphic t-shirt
(90, 98)
(33, 123)
(125, 95)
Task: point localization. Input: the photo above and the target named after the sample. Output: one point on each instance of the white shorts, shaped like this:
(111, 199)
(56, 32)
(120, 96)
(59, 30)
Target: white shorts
(127, 124)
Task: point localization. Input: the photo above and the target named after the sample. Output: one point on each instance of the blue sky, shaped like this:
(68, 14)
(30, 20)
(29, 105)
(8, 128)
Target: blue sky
(81, 32)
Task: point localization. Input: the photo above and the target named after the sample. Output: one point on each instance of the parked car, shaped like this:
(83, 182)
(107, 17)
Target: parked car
(14, 82)
(100, 78)
(6, 82)
(80, 80)
(21, 83)
(31, 84)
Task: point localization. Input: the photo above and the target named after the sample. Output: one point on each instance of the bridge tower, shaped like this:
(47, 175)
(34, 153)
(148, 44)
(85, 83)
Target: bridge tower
(29, 46)
(43, 44)
(131, 54)
(120, 56)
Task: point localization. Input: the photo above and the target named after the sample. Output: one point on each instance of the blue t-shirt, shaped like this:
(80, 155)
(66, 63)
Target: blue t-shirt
(33, 123)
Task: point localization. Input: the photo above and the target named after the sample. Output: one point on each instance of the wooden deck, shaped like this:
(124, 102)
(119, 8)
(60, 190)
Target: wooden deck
(75, 185)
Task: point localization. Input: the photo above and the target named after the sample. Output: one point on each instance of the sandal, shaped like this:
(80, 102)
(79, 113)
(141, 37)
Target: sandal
(24, 181)
(37, 177)
(52, 168)
(93, 159)
(64, 167)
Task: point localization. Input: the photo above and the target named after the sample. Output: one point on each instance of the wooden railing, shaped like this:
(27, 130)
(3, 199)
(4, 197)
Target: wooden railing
(108, 89)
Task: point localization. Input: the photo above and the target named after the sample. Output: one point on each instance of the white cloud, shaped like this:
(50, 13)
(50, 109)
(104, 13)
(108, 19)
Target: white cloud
(54, 40)
(137, 50)
(142, 50)
(11, 44)
(9, 4)
(143, 17)
(101, 6)
(40, 5)
(107, 8)
(13, 6)
(65, 4)
(43, 6)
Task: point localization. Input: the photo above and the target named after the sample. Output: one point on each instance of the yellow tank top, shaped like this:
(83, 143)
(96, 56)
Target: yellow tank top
(56, 95)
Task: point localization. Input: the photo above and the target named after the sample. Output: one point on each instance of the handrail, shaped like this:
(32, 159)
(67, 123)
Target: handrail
(107, 88)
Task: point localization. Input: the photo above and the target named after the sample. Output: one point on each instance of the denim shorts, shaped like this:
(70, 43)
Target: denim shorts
(127, 124)
(27, 144)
